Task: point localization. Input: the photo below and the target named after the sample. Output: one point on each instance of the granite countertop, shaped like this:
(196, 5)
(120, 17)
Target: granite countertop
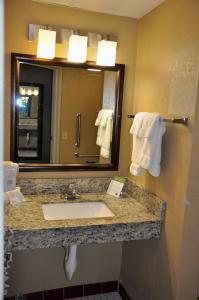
(28, 229)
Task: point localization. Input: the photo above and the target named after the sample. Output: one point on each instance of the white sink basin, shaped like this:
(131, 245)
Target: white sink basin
(64, 211)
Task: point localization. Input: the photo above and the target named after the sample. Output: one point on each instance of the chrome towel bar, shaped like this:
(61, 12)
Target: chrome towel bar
(182, 120)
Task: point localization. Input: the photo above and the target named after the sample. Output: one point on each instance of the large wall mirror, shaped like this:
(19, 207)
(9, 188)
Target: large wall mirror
(65, 116)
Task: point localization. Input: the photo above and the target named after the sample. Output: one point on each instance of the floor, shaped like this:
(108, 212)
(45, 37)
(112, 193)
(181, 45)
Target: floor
(110, 296)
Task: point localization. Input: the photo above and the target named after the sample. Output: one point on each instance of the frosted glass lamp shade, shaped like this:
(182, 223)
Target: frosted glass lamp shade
(106, 53)
(77, 51)
(36, 92)
(29, 92)
(22, 91)
(46, 44)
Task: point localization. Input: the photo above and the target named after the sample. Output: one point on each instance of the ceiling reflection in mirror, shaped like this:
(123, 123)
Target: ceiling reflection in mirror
(65, 115)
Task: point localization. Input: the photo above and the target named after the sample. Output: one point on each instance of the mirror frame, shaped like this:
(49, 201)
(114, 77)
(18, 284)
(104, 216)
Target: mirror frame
(16, 59)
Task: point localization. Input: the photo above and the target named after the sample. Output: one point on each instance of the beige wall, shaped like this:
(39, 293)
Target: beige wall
(189, 260)
(82, 92)
(166, 81)
(106, 258)
(16, 41)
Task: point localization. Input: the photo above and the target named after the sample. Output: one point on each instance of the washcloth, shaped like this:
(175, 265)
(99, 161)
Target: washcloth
(14, 197)
(104, 122)
(147, 131)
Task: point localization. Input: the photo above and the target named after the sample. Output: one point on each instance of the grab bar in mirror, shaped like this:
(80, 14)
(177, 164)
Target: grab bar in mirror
(78, 130)
(28, 138)
(86, 155)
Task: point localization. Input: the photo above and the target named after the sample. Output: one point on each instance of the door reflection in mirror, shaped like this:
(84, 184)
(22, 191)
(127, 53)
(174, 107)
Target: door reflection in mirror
(34, 142)
(29, 129)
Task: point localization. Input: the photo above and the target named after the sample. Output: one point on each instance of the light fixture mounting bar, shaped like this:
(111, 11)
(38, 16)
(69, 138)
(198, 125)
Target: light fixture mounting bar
(63, 34)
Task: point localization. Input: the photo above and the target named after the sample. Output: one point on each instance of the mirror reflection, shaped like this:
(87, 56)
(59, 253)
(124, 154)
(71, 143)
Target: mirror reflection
(65, 114)
(29, 127)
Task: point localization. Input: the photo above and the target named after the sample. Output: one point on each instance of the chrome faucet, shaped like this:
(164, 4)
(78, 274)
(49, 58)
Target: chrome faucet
(72, 194)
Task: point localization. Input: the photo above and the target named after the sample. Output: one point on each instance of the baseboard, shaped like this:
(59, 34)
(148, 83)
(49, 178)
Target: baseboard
(123, 293)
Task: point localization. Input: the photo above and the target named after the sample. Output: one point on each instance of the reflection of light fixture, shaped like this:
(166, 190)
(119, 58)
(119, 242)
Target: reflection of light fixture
(36, 92)
(29, 92)
(22, 91)
(22, 102)
(46, 44)
(77, 48)
(106, 53)
(25, 99)
(19, 102)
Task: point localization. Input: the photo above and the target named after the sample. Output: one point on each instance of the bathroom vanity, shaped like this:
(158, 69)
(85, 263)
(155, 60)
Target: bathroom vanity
(136, 215)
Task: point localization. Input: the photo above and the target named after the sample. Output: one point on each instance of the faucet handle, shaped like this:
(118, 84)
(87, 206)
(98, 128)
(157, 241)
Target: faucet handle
(71, 188)
(72, 194)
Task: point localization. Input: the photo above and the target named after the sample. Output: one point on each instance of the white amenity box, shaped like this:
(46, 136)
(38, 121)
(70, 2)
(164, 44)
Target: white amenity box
(10, 174)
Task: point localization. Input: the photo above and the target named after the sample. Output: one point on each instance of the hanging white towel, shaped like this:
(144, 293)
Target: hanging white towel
(147, 131)
(104, 122)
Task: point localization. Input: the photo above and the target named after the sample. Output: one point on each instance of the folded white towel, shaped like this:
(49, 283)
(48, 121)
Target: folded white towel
(147, 130)
(14, 197)
(137, 123)
(102, 117)
(104, 122)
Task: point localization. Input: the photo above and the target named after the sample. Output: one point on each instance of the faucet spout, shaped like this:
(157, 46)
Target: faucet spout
(72, 194)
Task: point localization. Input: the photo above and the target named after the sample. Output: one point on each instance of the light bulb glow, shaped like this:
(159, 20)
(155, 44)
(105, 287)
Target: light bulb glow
(22, 91)
(46, 44)
(19, 102)
(36, 92)
(29, 92)
(77, 50)
(106, 53)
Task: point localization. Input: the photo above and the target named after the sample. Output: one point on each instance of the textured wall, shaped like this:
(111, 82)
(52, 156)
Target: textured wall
(189, 259)
(166, 82)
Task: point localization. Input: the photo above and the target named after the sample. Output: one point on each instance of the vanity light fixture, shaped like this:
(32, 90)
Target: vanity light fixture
(106, 53)
(77, 50)
(78, 40)
(46, 44)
